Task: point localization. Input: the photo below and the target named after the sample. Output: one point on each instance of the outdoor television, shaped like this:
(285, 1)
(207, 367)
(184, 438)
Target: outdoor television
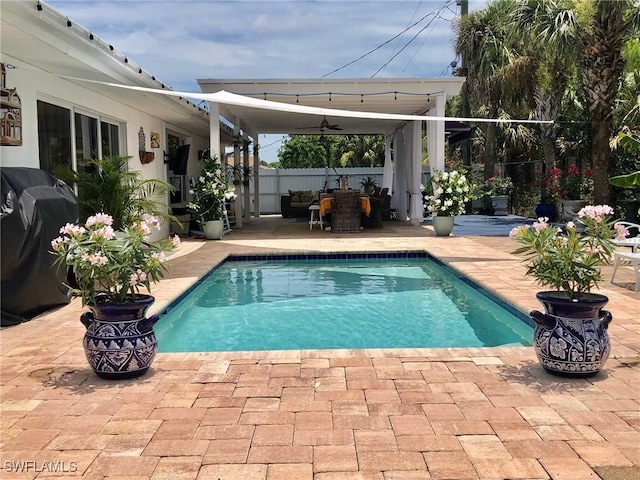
(178, 164)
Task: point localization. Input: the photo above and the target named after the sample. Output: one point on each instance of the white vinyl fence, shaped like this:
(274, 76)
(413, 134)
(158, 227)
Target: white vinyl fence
(275, 182)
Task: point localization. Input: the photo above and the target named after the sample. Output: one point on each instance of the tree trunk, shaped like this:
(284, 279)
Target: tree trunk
(549, 149)
(601, 163)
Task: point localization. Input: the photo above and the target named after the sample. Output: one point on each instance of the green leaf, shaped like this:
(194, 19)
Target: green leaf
(626, 181)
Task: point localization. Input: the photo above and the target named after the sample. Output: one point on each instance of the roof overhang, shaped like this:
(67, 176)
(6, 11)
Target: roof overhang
(50, 44)
(401, 96)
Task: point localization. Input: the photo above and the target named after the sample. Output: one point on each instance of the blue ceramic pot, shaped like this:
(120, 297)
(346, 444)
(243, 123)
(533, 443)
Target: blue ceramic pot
(120, 342)
(546, 210)
(571, 338)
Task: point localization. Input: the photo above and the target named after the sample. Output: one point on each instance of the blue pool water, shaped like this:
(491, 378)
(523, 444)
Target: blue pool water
(336, 303)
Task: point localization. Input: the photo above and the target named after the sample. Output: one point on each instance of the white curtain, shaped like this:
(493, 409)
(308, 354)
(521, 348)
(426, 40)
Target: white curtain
(416, 213)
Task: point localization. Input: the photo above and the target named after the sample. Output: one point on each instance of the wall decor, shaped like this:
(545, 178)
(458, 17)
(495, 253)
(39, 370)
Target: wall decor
(155, 140)
(10, 113)
(145, 157)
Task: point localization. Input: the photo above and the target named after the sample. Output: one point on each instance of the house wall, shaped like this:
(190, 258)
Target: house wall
(33, 85)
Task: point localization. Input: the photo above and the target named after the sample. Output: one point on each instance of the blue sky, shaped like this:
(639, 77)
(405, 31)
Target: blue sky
(180, 41)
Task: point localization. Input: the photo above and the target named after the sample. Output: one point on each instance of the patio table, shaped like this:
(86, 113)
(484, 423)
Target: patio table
(325, 204)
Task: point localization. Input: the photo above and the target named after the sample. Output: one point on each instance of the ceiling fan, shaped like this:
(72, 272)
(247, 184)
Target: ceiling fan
(324, 125)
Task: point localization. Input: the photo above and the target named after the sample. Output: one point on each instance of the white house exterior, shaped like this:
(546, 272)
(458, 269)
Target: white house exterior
(65, 120)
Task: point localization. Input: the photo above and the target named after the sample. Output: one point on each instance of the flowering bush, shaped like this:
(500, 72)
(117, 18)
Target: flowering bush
(451, 190)
(210, 192)
(109, 266)
(569, 185)
(499, 186)
(569, 261)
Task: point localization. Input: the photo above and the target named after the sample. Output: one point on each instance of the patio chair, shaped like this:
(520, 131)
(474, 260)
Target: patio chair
(345, 211)
(633, 258)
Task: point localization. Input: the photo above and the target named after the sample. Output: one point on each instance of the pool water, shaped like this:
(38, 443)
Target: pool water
(336, 303)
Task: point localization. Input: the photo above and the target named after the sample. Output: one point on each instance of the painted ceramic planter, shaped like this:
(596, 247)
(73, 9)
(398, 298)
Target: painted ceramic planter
(571, 338)
(120, 342)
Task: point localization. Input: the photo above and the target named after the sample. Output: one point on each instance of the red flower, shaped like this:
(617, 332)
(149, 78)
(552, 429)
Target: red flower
(587, 173)
(573, 170)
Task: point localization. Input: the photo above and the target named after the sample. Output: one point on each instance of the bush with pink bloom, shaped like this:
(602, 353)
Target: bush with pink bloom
(110, 267)
(569, 260)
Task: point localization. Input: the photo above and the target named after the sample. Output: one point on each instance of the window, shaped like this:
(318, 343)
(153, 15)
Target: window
(55, 132)
(86, 138)
(110, 139)
(54, 136)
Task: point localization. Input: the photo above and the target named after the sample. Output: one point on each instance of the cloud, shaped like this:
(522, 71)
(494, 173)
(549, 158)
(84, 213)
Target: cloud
(180, 41)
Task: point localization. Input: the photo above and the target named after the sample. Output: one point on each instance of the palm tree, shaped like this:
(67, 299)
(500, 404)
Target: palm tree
(497, 75)
(106, 185)
(595, 31)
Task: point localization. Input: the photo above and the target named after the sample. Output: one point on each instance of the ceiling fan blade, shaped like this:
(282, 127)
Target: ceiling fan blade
(334, 127)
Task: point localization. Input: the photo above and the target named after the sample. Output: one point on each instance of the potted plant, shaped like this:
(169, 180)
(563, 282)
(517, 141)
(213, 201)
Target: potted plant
(210, 192)
(499, 188)
(106, 185)
(248, 172)
(572, 189)
(110, 270)
(546, 207)
(451, 191)
(571, 336)
(368, 185)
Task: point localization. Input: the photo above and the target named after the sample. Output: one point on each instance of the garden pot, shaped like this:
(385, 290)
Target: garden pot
(546, 210)
(570, 209)
(213, 229)
(571, 338)
(500, 204)
(443, 225)
(120, 342)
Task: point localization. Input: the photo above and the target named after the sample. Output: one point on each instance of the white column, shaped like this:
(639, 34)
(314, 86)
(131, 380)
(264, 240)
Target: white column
(416, 213)
(387, 173)
(399, 199)
(256, 176)
(236, 163)
(435, 136)
(214, 130)
(245, 162)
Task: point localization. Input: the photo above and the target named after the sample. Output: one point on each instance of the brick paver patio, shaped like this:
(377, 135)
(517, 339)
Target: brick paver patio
(414, 414)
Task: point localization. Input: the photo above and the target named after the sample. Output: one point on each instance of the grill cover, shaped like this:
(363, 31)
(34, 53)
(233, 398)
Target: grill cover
(34, 207)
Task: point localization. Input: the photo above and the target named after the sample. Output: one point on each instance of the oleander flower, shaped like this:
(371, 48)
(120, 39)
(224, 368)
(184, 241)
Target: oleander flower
(109, 266)
(569, 260)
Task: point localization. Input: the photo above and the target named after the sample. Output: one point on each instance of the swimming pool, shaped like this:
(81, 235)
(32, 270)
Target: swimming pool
(337, 301)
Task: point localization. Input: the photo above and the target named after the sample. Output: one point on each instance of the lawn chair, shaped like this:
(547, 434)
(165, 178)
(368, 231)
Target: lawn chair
(633, 258)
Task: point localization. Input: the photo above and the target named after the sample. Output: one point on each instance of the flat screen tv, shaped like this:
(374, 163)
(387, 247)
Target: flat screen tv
(178, 164)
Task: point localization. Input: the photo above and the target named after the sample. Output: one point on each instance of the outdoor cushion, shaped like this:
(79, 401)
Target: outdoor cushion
(301, 196)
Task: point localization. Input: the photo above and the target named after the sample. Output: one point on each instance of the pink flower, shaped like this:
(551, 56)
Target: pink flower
(517, 230)
(99, 219)
(159, 256)
(175, 241)
(72, 230)
(541, 224)
(56, 243)
(596, 212)
(621, 232)
(141, 275)
(95, 259)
